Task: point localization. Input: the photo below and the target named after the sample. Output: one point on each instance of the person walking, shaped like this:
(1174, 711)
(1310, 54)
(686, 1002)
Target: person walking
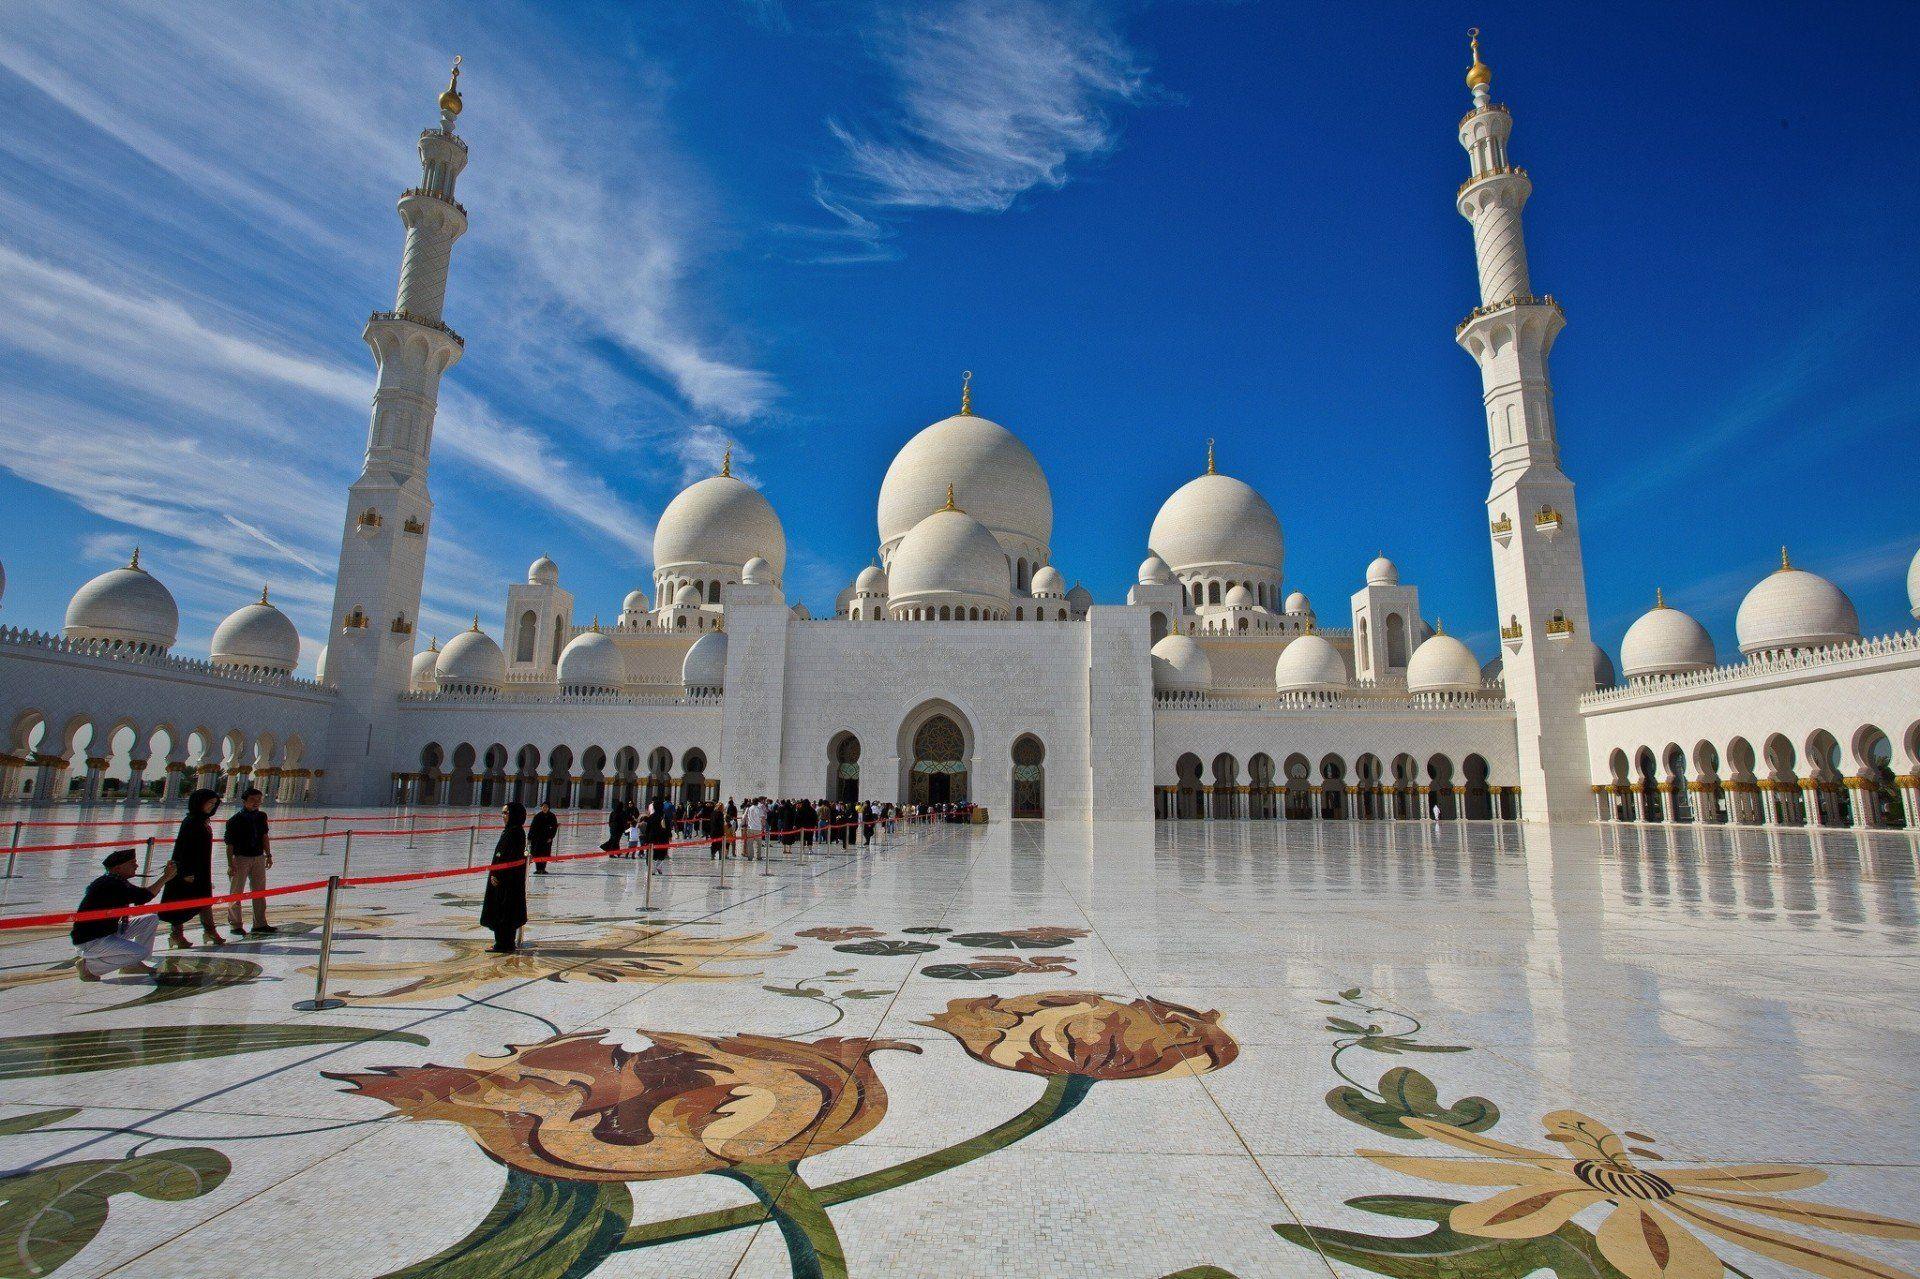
(110, 945)
(868, 820)
(193, 872)
(716, 828)
(249, 854)
(656, 832)
(504, 908)
(540, 835)
(617, 823)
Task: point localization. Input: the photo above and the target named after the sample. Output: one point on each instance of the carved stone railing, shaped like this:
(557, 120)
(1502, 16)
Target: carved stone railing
(1498, 171)
(513, 697)
(410, 318)
(1505, 304)
(104, 650)
(431, 194)
(1344, 702)
(1760, 666)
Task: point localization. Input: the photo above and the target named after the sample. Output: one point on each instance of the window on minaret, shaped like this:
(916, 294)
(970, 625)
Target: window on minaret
(524, 641)
(559, 636)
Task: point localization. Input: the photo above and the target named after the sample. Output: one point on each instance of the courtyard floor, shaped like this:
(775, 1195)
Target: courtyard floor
(1026, 1049)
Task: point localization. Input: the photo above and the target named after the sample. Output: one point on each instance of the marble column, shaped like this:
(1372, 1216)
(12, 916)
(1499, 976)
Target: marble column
(96, 778)
(136, 780)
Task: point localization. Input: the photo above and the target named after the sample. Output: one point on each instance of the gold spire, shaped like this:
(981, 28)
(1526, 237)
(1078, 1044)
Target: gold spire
(433, 645)
(263, 594)
(596, 622)
(450, 100)
(949, 506)
(1210, 470)
(1479, 75)
(1659, 598)
(1439, 627)
(726, 462)
(476, 621)
(1785, 563)
(966, 394)
(135, 561)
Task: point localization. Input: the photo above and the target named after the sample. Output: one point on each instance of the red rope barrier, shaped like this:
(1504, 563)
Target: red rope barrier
(155, 907)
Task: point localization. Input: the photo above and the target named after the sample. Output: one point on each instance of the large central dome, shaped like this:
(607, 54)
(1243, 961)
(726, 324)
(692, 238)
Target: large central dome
(994, 474)
(719, 521)
(1216, 521)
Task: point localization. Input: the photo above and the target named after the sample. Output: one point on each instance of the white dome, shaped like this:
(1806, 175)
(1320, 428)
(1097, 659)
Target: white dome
(1048, 582)
(1297, 604)
(720, 520)
(705, 665)
(688, 596)
(257, 637)
(124, 606)
(993, 474)
(1791, 608)
(872, 581)
(757, 572)
(1442, 664)
(636, 602)
(1240, 597)
(1665, 641)
(1217, 519)
(949, 554)
(1180, 665)
(543, 572)
(1079, 599)
(1383, 572)
(424, 679)
(1154, 571)
(471, 660)
(1913, 584)
(1603, 674)
(1309, 665)
(591, 660)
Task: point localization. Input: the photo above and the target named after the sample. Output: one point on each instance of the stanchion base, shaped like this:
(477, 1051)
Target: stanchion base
(318, 1005)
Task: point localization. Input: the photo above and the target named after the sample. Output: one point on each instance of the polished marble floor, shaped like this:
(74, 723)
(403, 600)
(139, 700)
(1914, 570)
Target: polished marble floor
(1058, 1049)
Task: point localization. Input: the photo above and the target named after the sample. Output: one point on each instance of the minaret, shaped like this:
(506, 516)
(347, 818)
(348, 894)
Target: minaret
(383, 551)
(1546, 649)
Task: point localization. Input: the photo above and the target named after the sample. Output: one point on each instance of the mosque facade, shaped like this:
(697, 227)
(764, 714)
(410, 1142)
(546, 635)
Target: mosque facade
(960, 665)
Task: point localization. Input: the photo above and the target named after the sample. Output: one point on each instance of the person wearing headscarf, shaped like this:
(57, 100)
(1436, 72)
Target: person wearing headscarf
(541, 832)
(504, 908)
(618, 819)
(193, 872)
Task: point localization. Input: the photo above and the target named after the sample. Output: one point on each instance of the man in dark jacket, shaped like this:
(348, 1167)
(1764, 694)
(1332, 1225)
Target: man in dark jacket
(109, 945)
(249, 854)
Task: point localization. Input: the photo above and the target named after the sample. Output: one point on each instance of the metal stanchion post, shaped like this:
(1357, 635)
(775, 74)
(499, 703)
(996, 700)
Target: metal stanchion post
(323, 836)
(146, 866)
(411, 816)
(473, 833)
(346, 855)
(320, 1002)
(646, 868)
(11, 855)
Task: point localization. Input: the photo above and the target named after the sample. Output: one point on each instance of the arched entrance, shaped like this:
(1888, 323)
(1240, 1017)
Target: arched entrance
(693, 777)
(843, 768)
(935, 754)
(1186, 772)
(1029, 777)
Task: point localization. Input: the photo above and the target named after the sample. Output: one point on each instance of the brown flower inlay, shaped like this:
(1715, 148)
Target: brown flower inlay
(1067, 1032)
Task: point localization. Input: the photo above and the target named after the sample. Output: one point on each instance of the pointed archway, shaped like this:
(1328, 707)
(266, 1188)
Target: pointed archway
(936, 755)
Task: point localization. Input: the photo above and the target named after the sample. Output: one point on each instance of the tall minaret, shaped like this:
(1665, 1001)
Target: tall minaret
(383, 552)
(1546, 650)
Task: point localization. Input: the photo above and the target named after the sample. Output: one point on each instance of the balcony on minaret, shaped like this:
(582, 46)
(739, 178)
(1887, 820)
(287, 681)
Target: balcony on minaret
(1547, 520)
(1508, 304)
(414, 526)
(407, 317)
(1502, 528)
(1513, 631)
(401, 626)
(1499, 171)
(367, 523)
(1559, 625)
(355, 620)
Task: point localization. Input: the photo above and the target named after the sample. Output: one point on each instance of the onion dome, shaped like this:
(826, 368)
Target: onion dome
(1479, 75)
(1792, 608)
(1217, 521)
(258, 637)
(634, 605)
(1603, 674)
(591, 663)
(1180, 665)
(124, 607)
(757, 572)
(688, 596)
(1442, 664)
(720, 522)
(1003, 485)
(872, 581)
(1154, 571)
(424, 680)
(1079, 600)
(1309, 664)
(1665, 641)
(705, 665)
(543, 572)
(471, 663)
(949, 558)
(1383, 572)
(1240, 597)
(1913, 584)
(1048, 584)
(320, 666)
(1297, 605)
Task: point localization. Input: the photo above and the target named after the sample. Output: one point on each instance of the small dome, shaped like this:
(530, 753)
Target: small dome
(1048, 583)
(1216, 520)
(1309, 664)
(1154, 571)
(995, 475)
(1913, 584)
(719, 521)
(1665, 641)
(705, 665)
(1442, 664)
(1792, 608)
(543, 572)
(591, 661)
(757, 572)
(949, 554)
(1180, 665)
(424, 679)
(257, 637)
(844, 600)
(1240, 597)
(872, 581)
(471, 661)
(1603, 675)
(1297, 605)
(1079, 599)
(688, 596)
(636, 602)
(1383, 572)
(124, 606)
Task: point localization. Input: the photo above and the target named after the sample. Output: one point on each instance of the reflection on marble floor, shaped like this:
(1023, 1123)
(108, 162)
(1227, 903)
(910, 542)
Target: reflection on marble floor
(1194, 1049)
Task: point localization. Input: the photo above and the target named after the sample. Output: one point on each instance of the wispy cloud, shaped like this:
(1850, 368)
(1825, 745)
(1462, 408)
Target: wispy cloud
(992, 98)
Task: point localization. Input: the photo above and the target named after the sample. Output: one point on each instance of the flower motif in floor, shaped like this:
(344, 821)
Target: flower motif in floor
(625, 954)
(1650, 1230)
(1067, 1032)
(847, 932)
(993, 967)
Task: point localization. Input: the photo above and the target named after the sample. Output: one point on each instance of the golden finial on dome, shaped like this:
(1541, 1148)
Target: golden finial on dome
(1210, 470)
(450, 99)
(1659, 598)
(135, 561)
(1479, 75)
(1785, 563)
(949, 506)
(1439, 626)
(726, 462)
(433, 645)
(596, 623)
(263, 594)
(476, 622)
(966, 393)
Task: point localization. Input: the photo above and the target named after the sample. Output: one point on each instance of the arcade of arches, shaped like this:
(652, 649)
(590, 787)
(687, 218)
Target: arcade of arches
(1332, 789)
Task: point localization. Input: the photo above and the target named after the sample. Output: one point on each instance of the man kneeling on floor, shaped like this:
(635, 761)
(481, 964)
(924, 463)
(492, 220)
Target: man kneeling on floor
(109, 945)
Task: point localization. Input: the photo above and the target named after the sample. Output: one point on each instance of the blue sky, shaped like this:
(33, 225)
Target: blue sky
(789, 226)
